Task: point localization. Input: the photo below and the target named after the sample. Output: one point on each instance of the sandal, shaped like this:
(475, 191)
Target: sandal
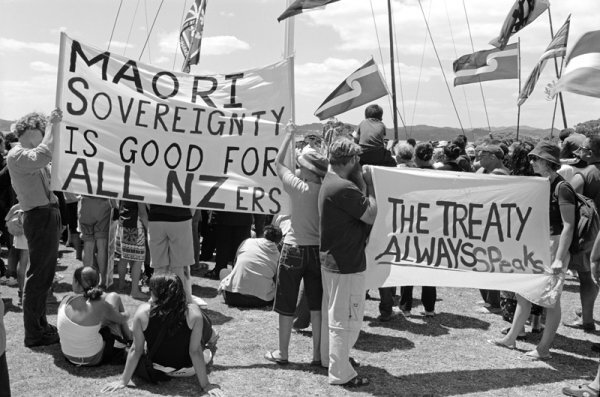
(580, 391)
(356, 382)
(278, 360)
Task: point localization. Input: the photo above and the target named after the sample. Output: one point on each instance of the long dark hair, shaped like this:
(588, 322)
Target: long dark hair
(169, 304)
(519, 161)
(88, 278)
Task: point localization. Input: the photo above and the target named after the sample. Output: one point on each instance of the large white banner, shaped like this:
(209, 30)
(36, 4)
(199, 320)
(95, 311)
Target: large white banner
(133, 131)
(461, 230)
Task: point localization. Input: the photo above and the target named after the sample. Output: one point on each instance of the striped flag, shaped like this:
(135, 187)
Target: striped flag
(582, 72)
(522, 13)
(362, 86)
(556, 48)
(487, 65)
(298, 6)
(190, 37)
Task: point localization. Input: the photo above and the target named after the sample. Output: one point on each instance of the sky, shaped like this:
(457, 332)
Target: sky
(329, 44)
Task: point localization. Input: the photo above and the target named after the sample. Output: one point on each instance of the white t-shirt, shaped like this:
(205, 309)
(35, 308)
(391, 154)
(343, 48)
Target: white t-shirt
(254, 270)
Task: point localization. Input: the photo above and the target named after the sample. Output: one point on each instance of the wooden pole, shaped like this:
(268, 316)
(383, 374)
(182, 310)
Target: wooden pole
(288, 53)
(519, 69)
(394, 104)
(560, 96)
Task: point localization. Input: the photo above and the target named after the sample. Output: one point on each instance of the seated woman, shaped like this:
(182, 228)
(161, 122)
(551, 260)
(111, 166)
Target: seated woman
(251, 283)
(92, 324)
(177, 334)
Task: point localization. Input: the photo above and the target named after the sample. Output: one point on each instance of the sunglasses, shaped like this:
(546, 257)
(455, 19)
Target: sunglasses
(586, 149)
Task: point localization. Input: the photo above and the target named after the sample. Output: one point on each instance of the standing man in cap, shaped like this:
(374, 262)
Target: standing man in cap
(490, 159)
(28, 164)
(300, 253)
(347, 207)
(586, 181)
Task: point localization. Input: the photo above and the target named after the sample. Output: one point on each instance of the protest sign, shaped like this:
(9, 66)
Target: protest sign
(135, 132)
(457, 229)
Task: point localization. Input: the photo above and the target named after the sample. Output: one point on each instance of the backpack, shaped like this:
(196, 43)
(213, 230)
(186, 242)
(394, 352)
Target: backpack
(587, 222)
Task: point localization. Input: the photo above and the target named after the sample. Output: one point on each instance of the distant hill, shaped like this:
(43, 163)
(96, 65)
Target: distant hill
(5, 125)
(423, 132)
(429, 133)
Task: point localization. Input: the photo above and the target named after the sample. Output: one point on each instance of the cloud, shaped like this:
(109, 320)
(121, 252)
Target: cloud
(22, 96)
(214, 45)
(119, 45)
(38, 66)
(16, 45)
(58, 30)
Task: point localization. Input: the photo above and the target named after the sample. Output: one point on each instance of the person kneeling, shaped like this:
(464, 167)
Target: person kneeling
(92, 325)
(251, 283)
(179, 336)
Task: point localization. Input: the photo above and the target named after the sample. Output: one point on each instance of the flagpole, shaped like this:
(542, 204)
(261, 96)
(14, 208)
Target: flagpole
(394, 104)
(288, 53)
(562, 103)
(562, 62)
(519, 69)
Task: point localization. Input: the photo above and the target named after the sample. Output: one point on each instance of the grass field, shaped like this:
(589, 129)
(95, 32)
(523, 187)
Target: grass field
(446, 355)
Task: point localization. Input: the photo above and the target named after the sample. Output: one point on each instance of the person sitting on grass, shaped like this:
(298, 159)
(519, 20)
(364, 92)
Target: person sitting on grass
(251, 283)
(184, 334)
(92, 325)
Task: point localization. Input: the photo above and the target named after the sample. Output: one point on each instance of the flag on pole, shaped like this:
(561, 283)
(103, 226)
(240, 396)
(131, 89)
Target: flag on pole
(582, 72)
(190, 37)
(362, 86)
(556, 48)
(487, 65)
(298, 7)
(522, 13)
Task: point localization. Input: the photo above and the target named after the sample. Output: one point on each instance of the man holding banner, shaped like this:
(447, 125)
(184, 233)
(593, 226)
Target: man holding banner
(28, 164)
(346, 213)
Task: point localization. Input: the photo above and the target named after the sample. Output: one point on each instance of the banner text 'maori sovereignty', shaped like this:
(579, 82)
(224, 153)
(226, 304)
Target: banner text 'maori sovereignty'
(133, 131)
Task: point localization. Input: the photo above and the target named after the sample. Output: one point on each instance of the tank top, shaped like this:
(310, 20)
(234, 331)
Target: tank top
(77, 340)
(174, 350)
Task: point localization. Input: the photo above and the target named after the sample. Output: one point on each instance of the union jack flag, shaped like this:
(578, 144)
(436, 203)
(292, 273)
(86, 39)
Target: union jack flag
(556, 48)
(190, 37)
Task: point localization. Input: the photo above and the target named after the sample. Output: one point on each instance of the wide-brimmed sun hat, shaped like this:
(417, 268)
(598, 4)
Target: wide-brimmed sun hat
(547, 151)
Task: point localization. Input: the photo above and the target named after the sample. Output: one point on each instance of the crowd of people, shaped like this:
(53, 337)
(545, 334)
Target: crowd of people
(309, 264)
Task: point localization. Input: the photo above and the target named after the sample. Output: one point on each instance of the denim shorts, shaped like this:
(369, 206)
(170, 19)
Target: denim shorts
(297, 263)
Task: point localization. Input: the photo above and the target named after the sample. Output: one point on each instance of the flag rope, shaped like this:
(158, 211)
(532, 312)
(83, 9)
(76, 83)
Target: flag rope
(456, 56)
(131, 26)
(441, 68)
(412, 121)
(151, 28)
(487, 117)
(114, 25)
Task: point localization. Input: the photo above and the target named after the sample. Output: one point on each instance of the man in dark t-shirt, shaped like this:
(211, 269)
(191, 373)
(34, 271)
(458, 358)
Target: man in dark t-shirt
(346, 211)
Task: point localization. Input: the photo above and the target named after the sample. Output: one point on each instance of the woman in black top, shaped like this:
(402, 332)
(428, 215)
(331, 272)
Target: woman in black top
(182, 330)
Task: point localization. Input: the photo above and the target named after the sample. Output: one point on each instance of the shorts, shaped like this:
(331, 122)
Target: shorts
(94, 218)
(297, 263)
(130, 242)
(171, 244)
